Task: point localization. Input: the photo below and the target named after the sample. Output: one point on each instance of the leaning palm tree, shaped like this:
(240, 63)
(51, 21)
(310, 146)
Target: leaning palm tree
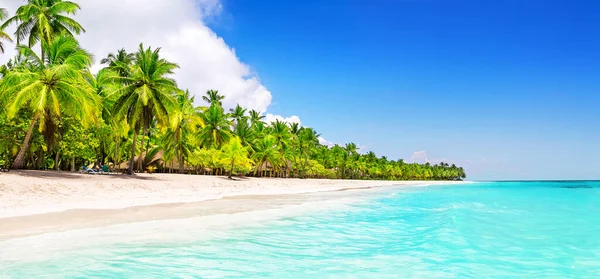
(42, 20)
(3, 35)
(50, 88)
(146, 95)
(216, 130)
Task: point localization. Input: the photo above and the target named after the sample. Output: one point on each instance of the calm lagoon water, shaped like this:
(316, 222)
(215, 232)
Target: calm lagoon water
(480, 230)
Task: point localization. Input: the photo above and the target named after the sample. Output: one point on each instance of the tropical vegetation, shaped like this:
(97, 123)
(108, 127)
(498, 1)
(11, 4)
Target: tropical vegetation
(131, 116)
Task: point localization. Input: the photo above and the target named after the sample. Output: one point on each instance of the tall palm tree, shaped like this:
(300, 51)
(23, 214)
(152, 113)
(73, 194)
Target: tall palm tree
(234, 152)
(238, 114)
(3, 35)
(256, 117)
(280, 131)
(213, 97)
(245, 133)
(147, 94)
(307, 140)
(119, 62)
(42, 20)
(217, 128)
(50, 88)
(266, 151)
(185, 119)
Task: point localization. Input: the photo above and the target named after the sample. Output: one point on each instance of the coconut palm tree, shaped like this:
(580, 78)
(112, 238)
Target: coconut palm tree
(42, 20)
(238, 114)
(256, 117)
(147, 94)
(119, 62)
(235, 153)
(245, 133)
(266, 151)
(280, 131)
(3, 35)
(217, 128)
(213, 97)
(308, 139)
(185, 120)
(50, 88)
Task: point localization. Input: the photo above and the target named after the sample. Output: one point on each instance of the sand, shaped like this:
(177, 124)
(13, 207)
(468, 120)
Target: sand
(33, 202)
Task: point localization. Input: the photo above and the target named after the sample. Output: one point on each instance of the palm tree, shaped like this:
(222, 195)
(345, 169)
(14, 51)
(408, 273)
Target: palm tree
(234, 152)
(147, 94)
(238, 114)
(307, 140)
(217, 128)
(245, 133)
(51, 87)
(213, 98)
(266, 151)
(280, 131)
(185, 119)
(42, 20)
(3, 35)
(255, 117)
(119, 62)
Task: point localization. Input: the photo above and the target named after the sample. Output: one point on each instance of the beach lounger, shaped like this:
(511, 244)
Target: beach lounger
(85, 169)
(105, 170)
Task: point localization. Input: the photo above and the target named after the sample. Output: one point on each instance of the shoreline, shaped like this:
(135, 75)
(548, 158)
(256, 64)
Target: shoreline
(24, 193)
(36, 202)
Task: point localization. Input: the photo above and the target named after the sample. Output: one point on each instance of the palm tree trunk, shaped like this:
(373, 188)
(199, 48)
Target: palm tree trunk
(141, 159)
(131, 161)
(231, 171)
(116, 150)
(18, 163)
(56, 158)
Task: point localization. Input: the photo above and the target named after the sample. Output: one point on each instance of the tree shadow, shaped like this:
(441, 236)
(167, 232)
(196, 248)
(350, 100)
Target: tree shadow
(77, 175)
(233, 178)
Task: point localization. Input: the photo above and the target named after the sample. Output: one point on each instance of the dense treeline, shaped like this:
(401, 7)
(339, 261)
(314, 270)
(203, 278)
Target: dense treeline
(132, 116)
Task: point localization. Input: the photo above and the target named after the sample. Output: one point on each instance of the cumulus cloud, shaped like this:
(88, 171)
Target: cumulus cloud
(362, 149)
(270, 118)
(421, 157)
(325, 142)
(179, 27)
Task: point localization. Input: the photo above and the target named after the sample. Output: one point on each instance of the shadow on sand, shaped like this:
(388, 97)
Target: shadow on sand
(77, 175)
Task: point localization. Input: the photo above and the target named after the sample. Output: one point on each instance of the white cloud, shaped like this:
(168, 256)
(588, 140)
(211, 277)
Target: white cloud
(206, 61)
(419, 157)
(270, 118)
(362, 149)
(325, 142)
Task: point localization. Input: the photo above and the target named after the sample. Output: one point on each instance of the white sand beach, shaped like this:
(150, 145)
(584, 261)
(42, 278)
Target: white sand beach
(33, 202)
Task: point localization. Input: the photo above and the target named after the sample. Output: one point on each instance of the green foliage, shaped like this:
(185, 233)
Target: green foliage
(42, 20)
(3, 35)
(134, 109)
(235, 156)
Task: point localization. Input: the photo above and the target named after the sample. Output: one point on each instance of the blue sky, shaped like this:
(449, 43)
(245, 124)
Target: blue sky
(508, 89)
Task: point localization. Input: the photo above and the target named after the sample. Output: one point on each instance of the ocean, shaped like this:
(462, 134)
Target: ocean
(476, 230)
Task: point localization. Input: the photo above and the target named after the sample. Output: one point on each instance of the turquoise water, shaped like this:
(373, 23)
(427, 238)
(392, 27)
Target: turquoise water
(481, 230)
